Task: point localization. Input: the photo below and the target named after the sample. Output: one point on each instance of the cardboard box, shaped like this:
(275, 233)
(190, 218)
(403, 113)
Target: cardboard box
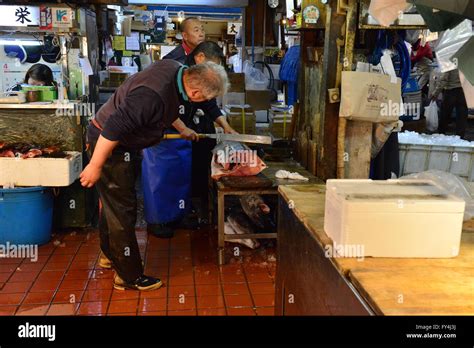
(393, 218)
(237, 82)
(258, 100)
(241, 118)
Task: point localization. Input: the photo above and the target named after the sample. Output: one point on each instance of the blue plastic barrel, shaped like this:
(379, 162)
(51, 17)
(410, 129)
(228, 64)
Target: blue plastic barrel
(26, 215)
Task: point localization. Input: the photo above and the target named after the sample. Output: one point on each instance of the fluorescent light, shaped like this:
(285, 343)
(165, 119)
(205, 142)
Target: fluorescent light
(21, 42)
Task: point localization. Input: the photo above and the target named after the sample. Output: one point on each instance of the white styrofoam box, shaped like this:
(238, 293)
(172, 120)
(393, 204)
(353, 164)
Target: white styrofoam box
(417, 158)
(393, 218)
(49, 172)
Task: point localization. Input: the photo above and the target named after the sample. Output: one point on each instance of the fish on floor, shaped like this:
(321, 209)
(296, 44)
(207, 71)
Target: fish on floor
(239, 223)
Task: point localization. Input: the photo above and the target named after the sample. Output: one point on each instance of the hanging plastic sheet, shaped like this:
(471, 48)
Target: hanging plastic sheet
(468, 89)
(166, 181)
(463, 58)
(450, 43)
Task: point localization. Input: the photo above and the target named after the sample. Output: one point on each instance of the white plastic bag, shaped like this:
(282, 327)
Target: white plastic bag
(431, 114)
(451, 41)
(452, 183)
(254, 78)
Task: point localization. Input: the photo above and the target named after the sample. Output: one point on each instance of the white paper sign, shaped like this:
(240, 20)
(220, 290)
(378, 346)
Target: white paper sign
(12, 16)
(132, 42)
(233, 28)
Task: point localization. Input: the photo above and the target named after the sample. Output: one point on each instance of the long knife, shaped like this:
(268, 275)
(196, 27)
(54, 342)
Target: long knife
(243, 138)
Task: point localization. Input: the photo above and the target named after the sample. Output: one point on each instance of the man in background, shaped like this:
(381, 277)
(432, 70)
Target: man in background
(193, 34)
(453, 98)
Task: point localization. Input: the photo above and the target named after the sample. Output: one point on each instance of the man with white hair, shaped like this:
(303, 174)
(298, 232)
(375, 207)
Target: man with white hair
(134, 118)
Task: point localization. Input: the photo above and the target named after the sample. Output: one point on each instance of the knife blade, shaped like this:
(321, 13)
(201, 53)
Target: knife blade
(243, 138)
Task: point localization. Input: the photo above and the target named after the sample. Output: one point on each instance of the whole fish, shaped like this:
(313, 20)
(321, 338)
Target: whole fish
(240, 223)
(255, 208)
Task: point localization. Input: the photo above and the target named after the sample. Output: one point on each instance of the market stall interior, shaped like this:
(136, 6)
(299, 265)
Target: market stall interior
(340, 149)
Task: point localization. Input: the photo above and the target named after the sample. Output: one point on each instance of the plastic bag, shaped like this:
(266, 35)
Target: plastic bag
(451, 41)
(431, 114)
(453, 184)
(254, 78)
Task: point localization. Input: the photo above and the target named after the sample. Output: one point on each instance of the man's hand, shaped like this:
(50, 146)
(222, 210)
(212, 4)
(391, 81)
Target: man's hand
(230, 130)
(189, 134)
(90, 175)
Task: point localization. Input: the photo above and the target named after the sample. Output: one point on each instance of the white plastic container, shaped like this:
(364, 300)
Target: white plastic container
(50, 172)
(417, 158)
(393, 218)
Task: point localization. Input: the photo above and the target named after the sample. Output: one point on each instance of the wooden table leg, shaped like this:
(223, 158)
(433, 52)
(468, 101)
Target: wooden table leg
(220, 228)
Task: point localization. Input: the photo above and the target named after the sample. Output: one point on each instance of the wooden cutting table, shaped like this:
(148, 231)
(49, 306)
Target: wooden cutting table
(224, 190)
(320, 285)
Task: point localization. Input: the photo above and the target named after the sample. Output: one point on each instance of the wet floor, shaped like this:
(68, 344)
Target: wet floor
(66, 280)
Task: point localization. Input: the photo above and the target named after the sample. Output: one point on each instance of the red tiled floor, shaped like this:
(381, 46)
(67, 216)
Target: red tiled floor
(210, 302)
(7, 310)
(235, 288)
(152, 305)
(118, 295)
(23, 277)
(208, 290)
(265, 311)
(154, 314)
(32, 310)
(63, 309)
(93, 308)
(186, 290)
(181, 303)
(12, 288)
(45, 285)
(187, 264)
(259, 277)
(11, 299)
(94, 295)
(267, 300)
(212, 311)
(123, 306)
(181, 280)
(68, 296)
(75, 284)
(241, 311)
(262, 288)
(185, 313)
(238, 301)
(43, 297)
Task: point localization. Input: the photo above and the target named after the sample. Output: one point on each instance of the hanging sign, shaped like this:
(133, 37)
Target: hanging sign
(311, 14)
(14, 16)
(62, 17)
(46, 18)
(233, 28)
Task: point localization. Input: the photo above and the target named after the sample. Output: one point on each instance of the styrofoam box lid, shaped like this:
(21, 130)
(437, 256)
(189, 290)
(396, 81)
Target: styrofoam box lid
(397, 195)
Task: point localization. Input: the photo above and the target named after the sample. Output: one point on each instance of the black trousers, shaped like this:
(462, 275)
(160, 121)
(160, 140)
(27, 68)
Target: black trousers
(454, 98)
(117, 193)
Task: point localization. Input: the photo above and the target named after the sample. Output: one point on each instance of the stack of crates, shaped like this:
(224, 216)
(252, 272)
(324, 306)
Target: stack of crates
(241, 118)
(280, 121)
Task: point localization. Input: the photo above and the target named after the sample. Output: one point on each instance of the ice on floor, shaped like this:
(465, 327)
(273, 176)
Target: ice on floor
(408, 137)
